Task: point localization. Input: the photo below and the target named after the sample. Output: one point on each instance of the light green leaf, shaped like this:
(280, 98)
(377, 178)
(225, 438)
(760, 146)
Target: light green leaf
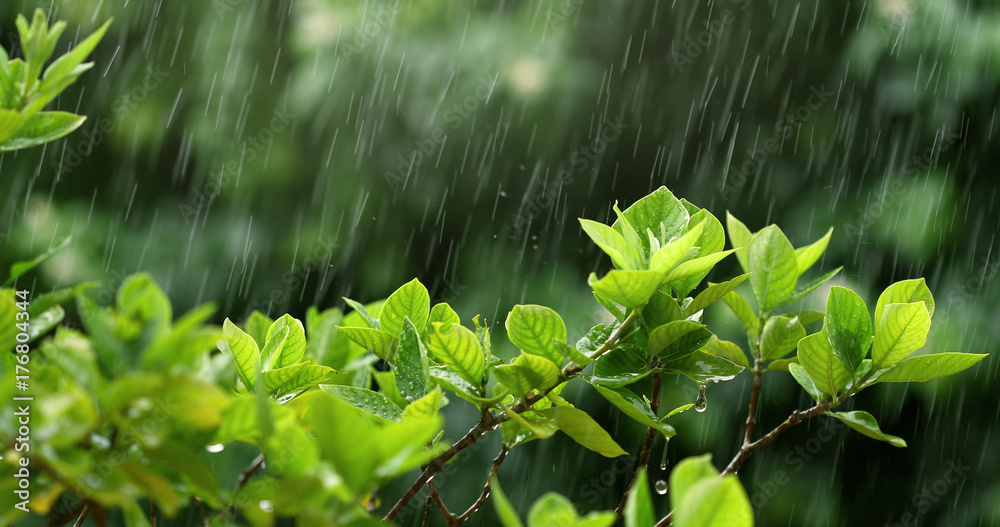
(410, 300)
(866, 424)
(905, 292)
(662, 308)
(739, 238)
(712, 293)
(817, 357)
(688, 473)
(703, 368)
(698, 267)
(367, 401)
(425, 407)
(540, 428)
(411, 367)
(244, 350)
(537, 330)
(773, 266)
(526, 373)
(554, 510)
(505, 511)
(715, 502)
(677, 250)
(10, 122)
(376, 341)
(360, 309)
(298, 377)
(458, 348)
(452, 381)
(711, 241)
(256, 326)
(609, 240)
(44, 322)
(659, 207)
(807, 256)
(442, 312)
(65, 65)
(802, 377)
(19, 268)
(810, 287)
(41, 128)
(628, 288)
(807, 316)
(726, 350)
(294, 346)
(743, 312)
(923, 368)
(849, 327)
(677, 339)
(272, 348)
(636, 408)
(780, 336)
(584, 430)
(639, 504)
(902, 329)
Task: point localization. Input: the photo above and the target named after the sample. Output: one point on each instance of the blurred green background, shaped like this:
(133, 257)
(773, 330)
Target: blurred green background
(276, 154)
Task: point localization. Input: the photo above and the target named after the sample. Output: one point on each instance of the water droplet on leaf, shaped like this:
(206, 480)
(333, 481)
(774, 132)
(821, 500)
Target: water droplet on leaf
(215, 448)
(701, 403)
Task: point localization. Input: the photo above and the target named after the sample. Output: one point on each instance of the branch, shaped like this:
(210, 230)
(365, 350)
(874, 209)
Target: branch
(647, 447)
(754, 400)
(436, 497)
(83, 515)
(489, 422)
(245, 476)
(494, 467)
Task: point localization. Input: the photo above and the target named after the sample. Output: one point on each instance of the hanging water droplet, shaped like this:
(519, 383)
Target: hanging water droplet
(266, 506)
(663, 460)
(215, 448)
(701, 403)
(661, 487)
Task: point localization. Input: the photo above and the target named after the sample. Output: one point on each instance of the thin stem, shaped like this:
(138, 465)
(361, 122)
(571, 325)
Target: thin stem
(83, 515)
(489, 422)
(201, 511)
(245, 476)
(152, 513)
(427, 512)
(436, 497)
(754, 400)
(647, 446)
(494, 467)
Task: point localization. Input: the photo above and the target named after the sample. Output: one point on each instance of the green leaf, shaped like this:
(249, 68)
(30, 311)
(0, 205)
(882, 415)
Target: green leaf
(866, 424)
(662, 308)
(291, 379)
(363, 311)
(294, 346)
(677, 339)
(782, 364)
(554, 510)
(635, 252)
(609, 240)
(712, 293)
(639, 504)
(65, 65)
(10, 122)
(711, 241)
(628, 288)
(540, 428)
(677, 250)
(773, 266)
(659, 207)
(807, 256)
(905, 292)
(584, 430)
(442, 312)
(426, 406)
(849, 327)
(537, 330)
(743, 312)
(715, 502)
(411, 367)
(244, 350)
(619, 368)
(688, 473)
(902, 329)
(802, 377)
(41, 128)
(505, 511)
(458, 348)
(810, 287)
(816, 355)
(44, 322)
(410, 300)
(452, 381)
(726, 350)
(703, 368)
(528, 372)
(321, 328)
(780, 336)
(8, 314)
(374, 340)
(19, 268)
(636, 408)
(367, 401)
(923, 368)
(739, 238)
(698, 267)
(256, 326)
(807, 316)
(272, 348)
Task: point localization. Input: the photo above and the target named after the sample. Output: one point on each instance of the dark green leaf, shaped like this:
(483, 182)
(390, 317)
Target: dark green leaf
(411, 367)
(677, 339)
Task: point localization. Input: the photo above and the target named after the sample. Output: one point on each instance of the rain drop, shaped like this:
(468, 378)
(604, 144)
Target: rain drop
(266, 506)
(661, 487)
(215, 448)
(701, 403)
(663, 460)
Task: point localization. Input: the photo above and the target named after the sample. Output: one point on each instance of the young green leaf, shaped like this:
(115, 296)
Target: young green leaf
(294, 346)
(697, 268)
(360, 308)
(902, 329)
(726, 350)
(711, 241)
(411, 300)
(442, 312)
(739, 238)
(743, 312)
(703, 368)
(381, 343)
(866, 424)
(636, 408)
(554, 510)
(256, 326)
(849, 327)
(584, 430)
(816, 355)
(539, 428)
(244, 350)
(677, 250)
(807, 256)
(426, 406)
(802, 377)
(688, 473)
(676, 339)
(639, 504)
(715, 502)
(810, 287)
(411, 367)
(628, 288)
(905, 292)
(367, 401)
(712, 293)
(458, 348)
(526, 373)
(505, 511)
(780, 336)
(18, 269)
(773, 267)
(660, 212)
(923, 368)
(41, 128)
(298, 377)
(609, 240)
(537, 330)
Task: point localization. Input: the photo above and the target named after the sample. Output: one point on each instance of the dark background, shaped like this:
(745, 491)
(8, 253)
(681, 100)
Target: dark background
(502, 96)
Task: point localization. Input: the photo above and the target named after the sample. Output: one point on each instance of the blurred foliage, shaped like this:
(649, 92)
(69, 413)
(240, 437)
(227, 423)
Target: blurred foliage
(307, 214)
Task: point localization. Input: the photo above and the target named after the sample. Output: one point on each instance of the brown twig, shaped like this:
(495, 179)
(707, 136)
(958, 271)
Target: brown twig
(489, 422)
(436, 498)
(647, 446)
(152, 513)
(427, 512)
(83, 515)
(754, 399)
(494, 467)
(245, 476)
